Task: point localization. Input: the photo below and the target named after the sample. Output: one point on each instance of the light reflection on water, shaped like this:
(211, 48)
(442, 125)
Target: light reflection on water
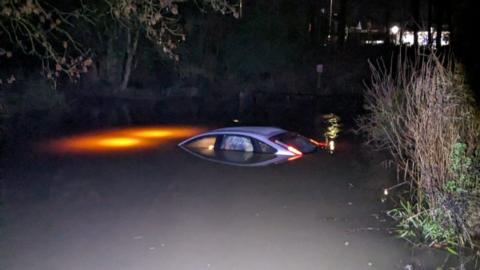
(120, 140)
(328, 127)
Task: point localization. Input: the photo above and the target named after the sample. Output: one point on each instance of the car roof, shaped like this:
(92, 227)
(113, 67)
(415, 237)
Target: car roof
(257, 130)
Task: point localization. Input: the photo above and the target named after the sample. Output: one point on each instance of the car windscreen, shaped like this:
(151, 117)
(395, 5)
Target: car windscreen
(295, 140)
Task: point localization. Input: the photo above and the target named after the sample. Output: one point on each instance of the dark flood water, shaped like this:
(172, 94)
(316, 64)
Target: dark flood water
(123, 204)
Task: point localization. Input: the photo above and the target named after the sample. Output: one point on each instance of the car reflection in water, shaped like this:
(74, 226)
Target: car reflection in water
(249, 146)
(236, 158)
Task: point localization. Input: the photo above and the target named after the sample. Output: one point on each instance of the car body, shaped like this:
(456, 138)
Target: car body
(246, 144)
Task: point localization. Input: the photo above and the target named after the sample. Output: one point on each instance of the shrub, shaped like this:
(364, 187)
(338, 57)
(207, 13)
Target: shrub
(424, 114)
(464, 170)
(426, 226)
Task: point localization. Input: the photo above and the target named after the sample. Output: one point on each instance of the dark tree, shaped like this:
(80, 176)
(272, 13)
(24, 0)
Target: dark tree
(342, 21)
(429, 21)
(388, 14)
(313, 21)
(439, 11)
(416, 20)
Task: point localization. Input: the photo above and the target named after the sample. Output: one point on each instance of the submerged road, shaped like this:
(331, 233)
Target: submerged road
(162, 208)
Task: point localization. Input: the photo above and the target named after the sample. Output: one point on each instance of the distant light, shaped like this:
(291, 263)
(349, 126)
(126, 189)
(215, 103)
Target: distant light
(394, 30)
(409, 36)
(375, 42)
(210, 147)
(385, 192)
(236, 120)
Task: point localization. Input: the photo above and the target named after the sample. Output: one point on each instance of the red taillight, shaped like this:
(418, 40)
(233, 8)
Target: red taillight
(317, 143)
(294, 150)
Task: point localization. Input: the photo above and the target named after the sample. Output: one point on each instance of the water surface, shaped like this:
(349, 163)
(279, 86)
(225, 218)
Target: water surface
(159, 207)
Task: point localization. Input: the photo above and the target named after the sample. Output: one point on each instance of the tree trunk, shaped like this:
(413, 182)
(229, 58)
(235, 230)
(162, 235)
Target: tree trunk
(313, 22)
(342, 22)
(416, 20)
(429, 22)
(448, 17)
(132, 43)
(111, 63)
(387, 24)
(439, 23)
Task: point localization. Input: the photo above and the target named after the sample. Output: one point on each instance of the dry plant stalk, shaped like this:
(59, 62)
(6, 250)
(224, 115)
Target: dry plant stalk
(418, 111)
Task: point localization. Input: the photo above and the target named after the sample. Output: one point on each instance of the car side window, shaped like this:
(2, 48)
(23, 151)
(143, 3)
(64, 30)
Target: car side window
(206, 142)
(264, 148)
(236, 143)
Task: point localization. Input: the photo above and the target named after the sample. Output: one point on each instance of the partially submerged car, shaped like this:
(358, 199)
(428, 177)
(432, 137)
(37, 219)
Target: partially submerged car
(249, 146)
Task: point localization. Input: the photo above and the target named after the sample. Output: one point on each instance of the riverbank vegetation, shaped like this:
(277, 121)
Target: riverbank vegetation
(422, 112)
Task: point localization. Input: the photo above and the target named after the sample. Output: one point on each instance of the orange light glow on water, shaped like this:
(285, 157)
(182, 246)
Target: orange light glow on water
(98, 142)
(120, 140)
(152, 133)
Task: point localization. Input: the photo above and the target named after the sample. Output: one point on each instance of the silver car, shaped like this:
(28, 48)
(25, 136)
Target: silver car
(249, 146)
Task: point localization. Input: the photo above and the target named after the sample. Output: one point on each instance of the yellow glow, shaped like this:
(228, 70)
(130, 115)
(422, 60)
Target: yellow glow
(152, 133)
(118, 140)
(210, 147)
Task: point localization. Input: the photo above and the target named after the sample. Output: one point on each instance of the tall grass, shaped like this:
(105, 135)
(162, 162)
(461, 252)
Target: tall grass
(424, 114)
